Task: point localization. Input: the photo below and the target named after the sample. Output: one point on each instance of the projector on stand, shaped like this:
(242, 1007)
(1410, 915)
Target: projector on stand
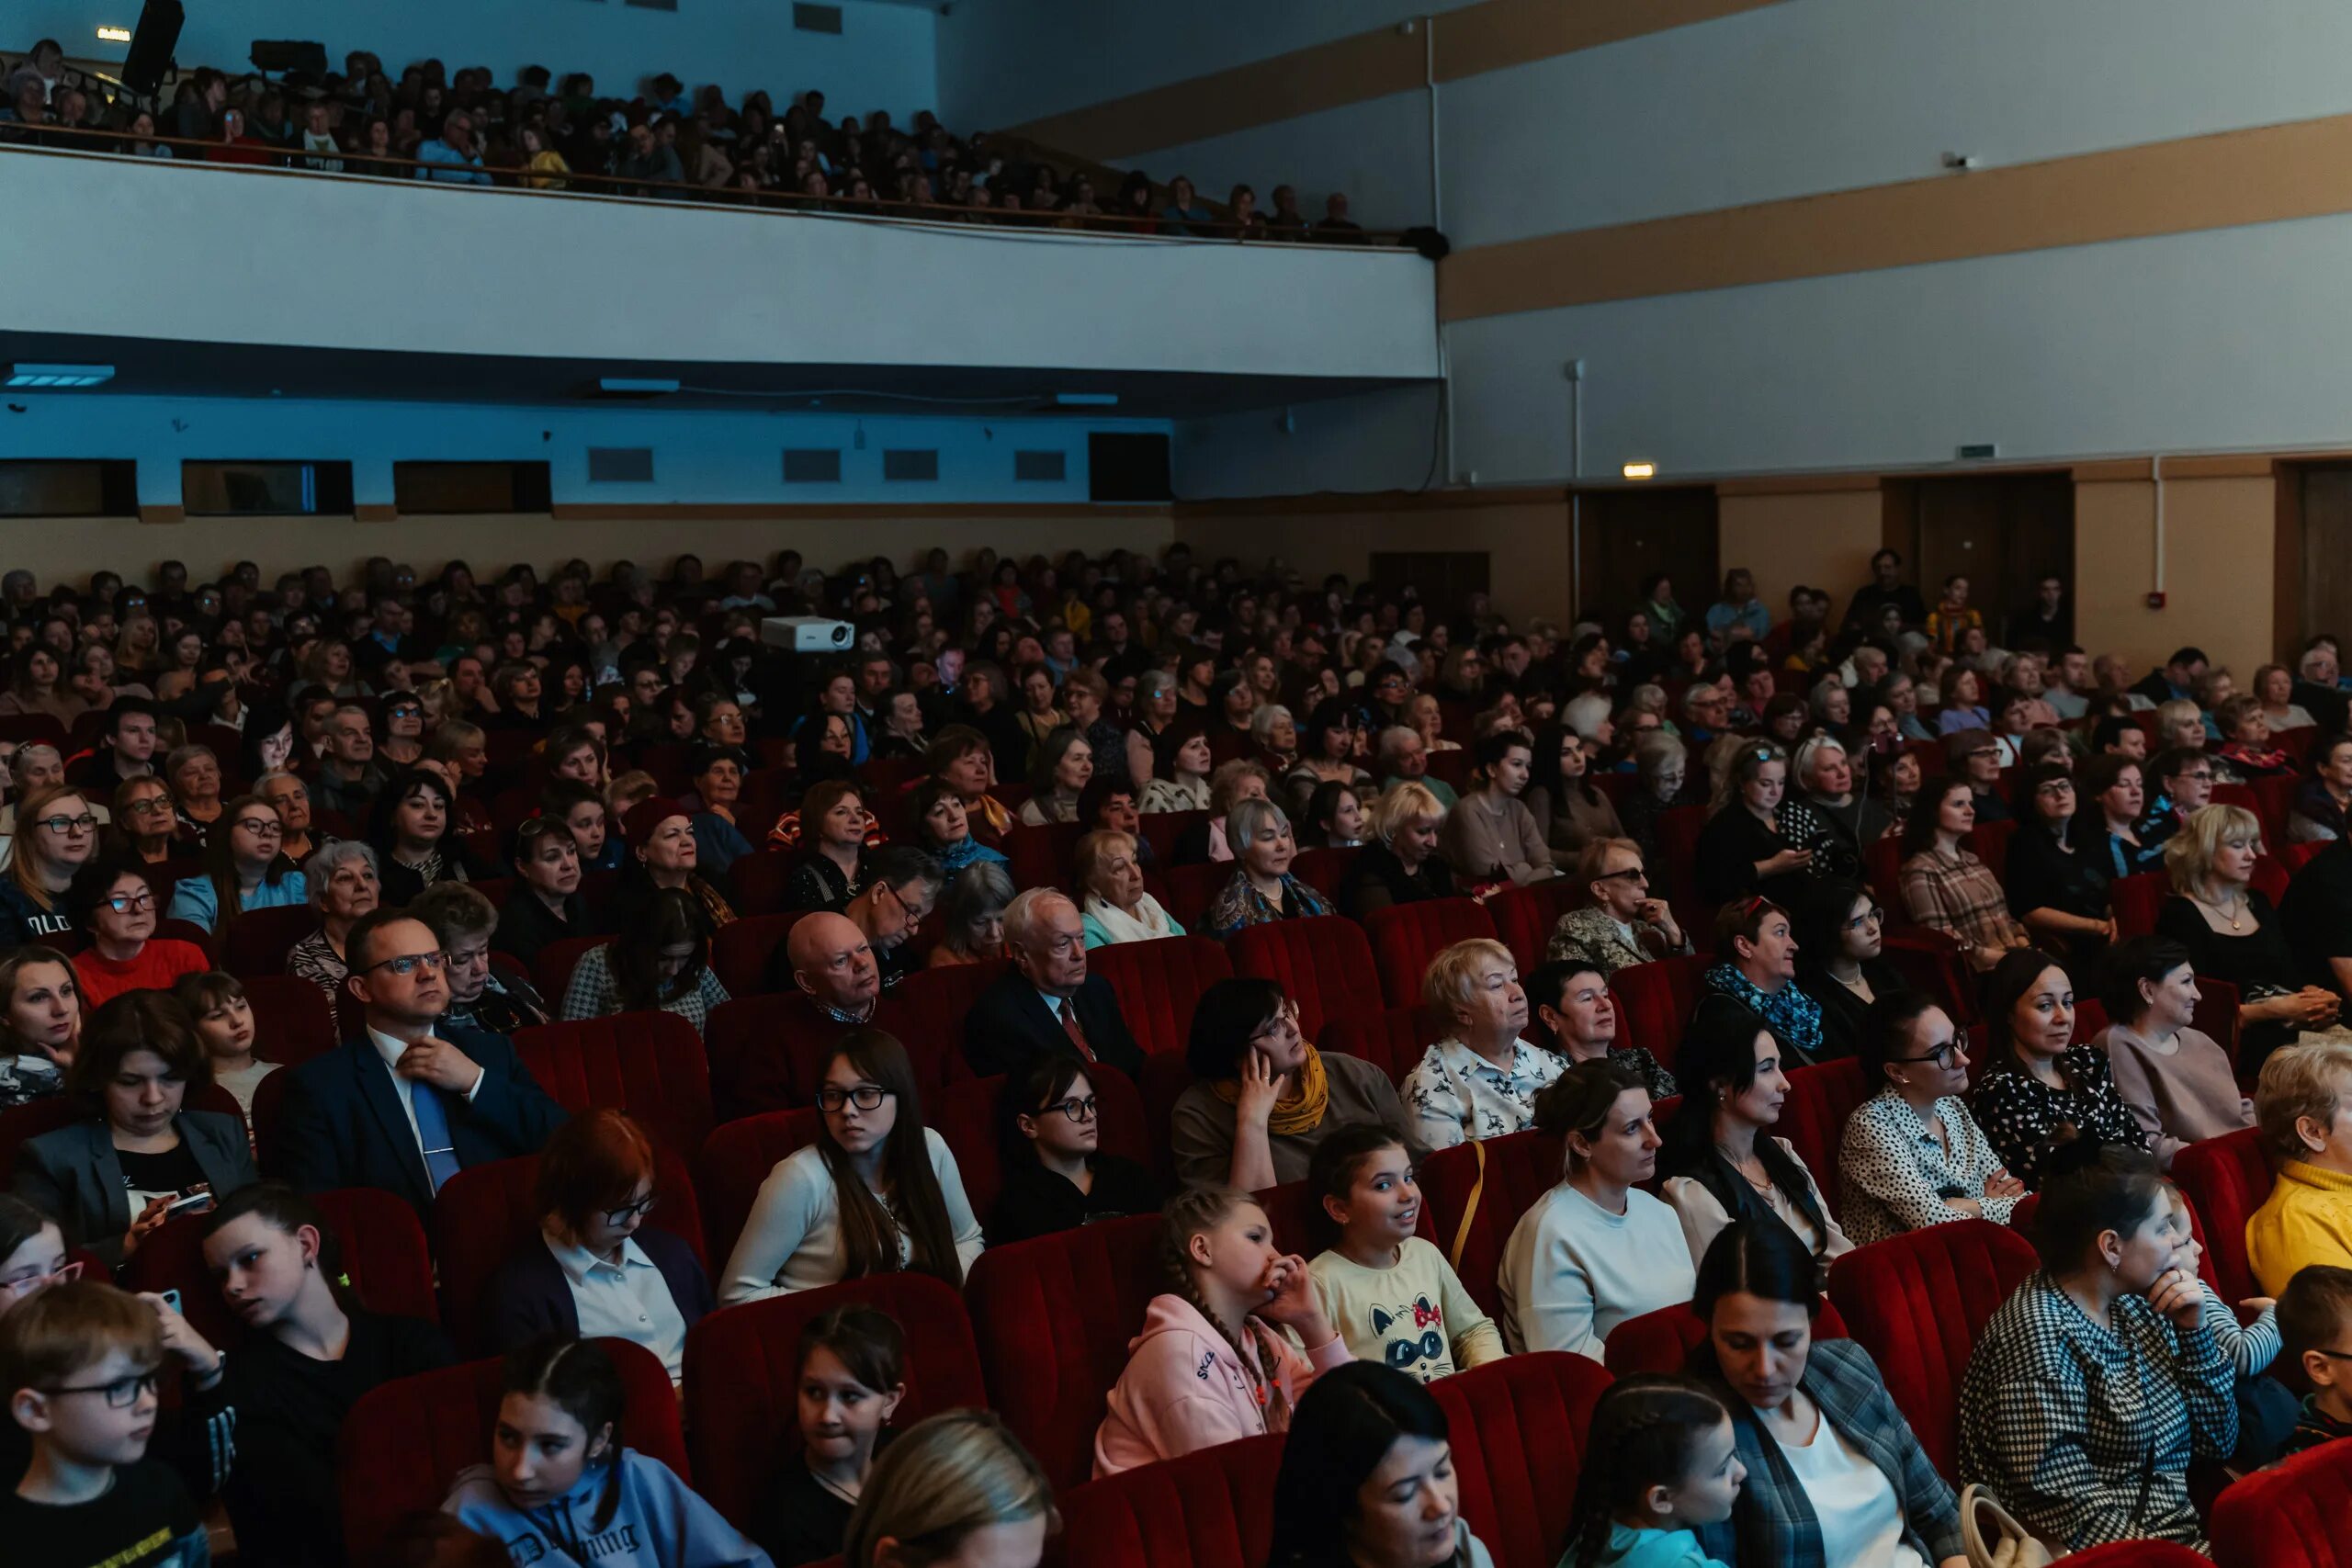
(806, 634)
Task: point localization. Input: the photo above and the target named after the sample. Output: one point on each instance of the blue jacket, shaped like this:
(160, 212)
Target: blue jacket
(195, 900)
(656, 1522)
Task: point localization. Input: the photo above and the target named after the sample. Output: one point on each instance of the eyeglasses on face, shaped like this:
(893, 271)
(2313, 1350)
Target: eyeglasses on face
(121, 1394)
(34, 1279)
(1631, 873)
(1870, 916)
(61, 826)
(127, 903)
(262, 826)
(1075, 1108)
(627, 1211)
(408, 963)
(1945, 1055)
(865, 1097)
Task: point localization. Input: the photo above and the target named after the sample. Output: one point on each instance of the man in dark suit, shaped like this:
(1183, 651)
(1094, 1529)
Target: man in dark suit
(1048, 1002)
(404, 1108)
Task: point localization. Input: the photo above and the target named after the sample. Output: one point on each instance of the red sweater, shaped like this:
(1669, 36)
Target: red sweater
(160, 962)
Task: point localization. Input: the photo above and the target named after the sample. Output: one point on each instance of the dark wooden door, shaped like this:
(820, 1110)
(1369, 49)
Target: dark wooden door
(2004, 532)
(1441, 580)
(1625, 534)
(2327, 551)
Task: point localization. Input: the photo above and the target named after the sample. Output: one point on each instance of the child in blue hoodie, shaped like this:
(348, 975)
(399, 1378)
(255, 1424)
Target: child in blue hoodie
(560, 1489)
(1672, 1464)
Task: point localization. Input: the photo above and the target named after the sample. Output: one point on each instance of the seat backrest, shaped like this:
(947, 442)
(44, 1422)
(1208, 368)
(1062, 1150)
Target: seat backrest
(1212, 1509)
(1322, 964)
(1159, 983)
(258, 941)
(1679, 827)
(404, 1441)
(1042, 857)
(2296, 856)
(1916, 1303)
(1812, 1118)
(741, 951)
(1521, 1168)
(1655, 1001)
(648, 1064)
(1391, 1039)
(1325, 867)
(552, 968)
(2226, 1179)
(2291, 1515)
(2138, 1554)
(735, 1159)
(2136, 900)
(1404, 937)
(1517, 1427)
(1524, 917)
(1989, 841)
(966, 1117)
(1053, 1317)
(1661, 1341)
(485, 1213)
(1191, 888)
(293, 1020)
(929, 1005)
(2217, 1013)
(756, 881)
(1162, 828)
(743, 1374)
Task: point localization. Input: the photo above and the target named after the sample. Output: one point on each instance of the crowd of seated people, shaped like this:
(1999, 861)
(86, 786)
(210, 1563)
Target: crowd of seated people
(463, 814)
(550, 134)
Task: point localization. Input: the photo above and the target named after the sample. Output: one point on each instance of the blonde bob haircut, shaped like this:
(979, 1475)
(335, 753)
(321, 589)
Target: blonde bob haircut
(2299, 1082)
(1452, 977)
(1400, 807)
(2191, 854)
(943, 1479)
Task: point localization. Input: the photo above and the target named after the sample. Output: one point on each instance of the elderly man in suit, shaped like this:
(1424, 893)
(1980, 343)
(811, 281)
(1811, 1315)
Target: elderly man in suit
(1047, 1003)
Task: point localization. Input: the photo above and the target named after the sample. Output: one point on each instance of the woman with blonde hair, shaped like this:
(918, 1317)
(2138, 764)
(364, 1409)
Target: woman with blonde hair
(2233, 934)
(955, 1488)
(2303, 1106)
(1117, 907)
(56, 831)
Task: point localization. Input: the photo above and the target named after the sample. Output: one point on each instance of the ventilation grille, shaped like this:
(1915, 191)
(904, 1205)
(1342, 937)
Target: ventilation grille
(816, 19)
(1041, 468)
(620, 465)
(911, 468)
(812, 465)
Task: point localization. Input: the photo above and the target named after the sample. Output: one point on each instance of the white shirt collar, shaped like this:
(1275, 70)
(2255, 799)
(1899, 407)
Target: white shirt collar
(579, 1263)
(390, 1048)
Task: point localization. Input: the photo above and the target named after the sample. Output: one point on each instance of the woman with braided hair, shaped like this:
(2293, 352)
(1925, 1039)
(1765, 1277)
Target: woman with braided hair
(1209, 1366)
(1673, 1466)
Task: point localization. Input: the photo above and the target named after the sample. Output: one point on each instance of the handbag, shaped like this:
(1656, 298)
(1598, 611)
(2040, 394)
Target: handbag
(1993, 1539)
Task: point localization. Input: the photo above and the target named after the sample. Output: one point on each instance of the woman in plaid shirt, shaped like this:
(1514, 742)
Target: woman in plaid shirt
(1949, 888)
(2097, 1384)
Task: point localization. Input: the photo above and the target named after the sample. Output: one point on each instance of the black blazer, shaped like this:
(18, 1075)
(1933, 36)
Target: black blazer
(344, 1125)
(74, 1173)
(1009, 1025)
(529, 1296)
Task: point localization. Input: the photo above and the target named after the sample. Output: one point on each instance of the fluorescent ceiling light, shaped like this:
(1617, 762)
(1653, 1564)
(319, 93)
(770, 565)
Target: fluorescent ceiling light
(641, 387)
(60, 376)
(1640, 470)
(114, 35)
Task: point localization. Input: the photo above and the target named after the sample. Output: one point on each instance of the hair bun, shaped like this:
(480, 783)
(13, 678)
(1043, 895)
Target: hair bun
(2069, 1152)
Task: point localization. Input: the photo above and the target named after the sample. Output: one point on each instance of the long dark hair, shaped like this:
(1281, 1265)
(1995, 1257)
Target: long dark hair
(670, 915)
(870, 1231)
(2006, 987)
(1344, 1426)
(1719, 1059)
(1919, 827)
(1818, 923)
(1646, 1430)
(220, 860)
(1546, 758)
(578, 1378)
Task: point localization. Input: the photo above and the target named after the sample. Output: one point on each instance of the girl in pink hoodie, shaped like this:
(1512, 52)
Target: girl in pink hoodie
(1209, 1367)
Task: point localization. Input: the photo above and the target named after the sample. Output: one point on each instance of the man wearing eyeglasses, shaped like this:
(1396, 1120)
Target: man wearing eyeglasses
(406, 1106)
(1048, 1003)
(2184, 786)
(898, 898)
(831, 982)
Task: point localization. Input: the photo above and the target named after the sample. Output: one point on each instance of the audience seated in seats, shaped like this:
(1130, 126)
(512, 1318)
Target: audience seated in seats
(1839, 936)
(1757, 976)
(1403, 758)
(2303, 1105)
(1576, 1017)
(308, 1353)
(972, 917)
(1181, 760)
(1480, 1080)
(1265, 1095)
(962, 1487)
(216, 1005)
(2314, 1314)
(2175, 1079)
(1489, 838)
(1946, 887)
(1978, 757)
(660, 961)
(599, 1269)
(56, 834)
(2054, 878)
(342, 886)
(545, 904)
(1055, 1177)
(350, 776)
(1756, 840)
(139, 823)
(1835, 1473)
(1118, 907)
(1389, 1294)
(1064, 767)
(2040, 1088)
(961, 758)
(2097, 1385)
(410, 828)
(662, 840)
(1237, 779)
(127, 749)
(901, 885)
(1596, 1250)
(42, 1024)
(833, 965)
(1368, 1476)
(878, 1192)
(244, 868)
(408, 1104)
(2245, 740)
(1622, 924)
(2180, 785)
(1661, 771)
(2112, 782)
(480, 995)
(2317, 912)
(832, 865)
(2249, 1338)
(111, 900)
(1912, 1156)
(1824, 773)
(1263, 889)
(716, 772)
(290, 799)
(2233, 934)
(1399, 862)
(1570, 810)
(1674, 1467)
(2326, 796)
(1721, 1162)
(943, 830)
(113, 1178)
(851, 1363)
(584, 812)
(1329, 744)
(560, 1474)
(1047, 1004)
(1211, 1364)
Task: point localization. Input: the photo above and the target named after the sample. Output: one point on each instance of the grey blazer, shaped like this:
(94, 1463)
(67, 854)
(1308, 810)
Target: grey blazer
(72, 1174)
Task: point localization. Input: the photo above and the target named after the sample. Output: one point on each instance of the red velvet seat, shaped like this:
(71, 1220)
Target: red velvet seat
(1676, 874)
(1053, 1317)
(34, 729)
(1042, 857)
(404, 1441)
(1452, 768)
(2226, 1179)
(1916, 1302)
(1662, 1341)
(1882, 871)
(648, 1064)
(1322, 963)
(553, 966)
(2294, 857)
(757, 881)
(768, 1053)
(1212, 1509)
(929, 1007)
(1989, 841)
(2291, 1515)
(734, 1160)
(1517, 1429)
(1191, 888)
(1162, 828)
(2269, 877)
(1391, 1039)
(1655, 1002)
(1323, 867)
(2135, 900)
(1294, 1212)
(1812, 1118)
(258, 941)
(742, 1377)
(1524, 917)
(1931, 961)
(482, 1214)
(1406, 937)
(382, 1247)
(293, 1020)
(741, 951)
(1520, 1168)
(1159, 983)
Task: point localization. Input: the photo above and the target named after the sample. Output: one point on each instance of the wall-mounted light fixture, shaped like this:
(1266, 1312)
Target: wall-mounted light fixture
(1640, 470)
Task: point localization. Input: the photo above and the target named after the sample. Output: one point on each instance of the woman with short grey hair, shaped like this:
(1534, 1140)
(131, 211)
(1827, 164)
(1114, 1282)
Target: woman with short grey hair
(1263, 889)
(344, 884)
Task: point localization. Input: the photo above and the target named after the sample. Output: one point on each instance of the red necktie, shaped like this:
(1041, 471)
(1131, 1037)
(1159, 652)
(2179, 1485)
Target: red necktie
(1076, 1035)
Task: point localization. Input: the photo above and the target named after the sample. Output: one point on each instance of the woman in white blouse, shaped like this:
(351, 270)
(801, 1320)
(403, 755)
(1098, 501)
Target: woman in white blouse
(1117, 907)
(1912, 1156)
(1481, 1080)
(1595, 1250)
(878, 1192)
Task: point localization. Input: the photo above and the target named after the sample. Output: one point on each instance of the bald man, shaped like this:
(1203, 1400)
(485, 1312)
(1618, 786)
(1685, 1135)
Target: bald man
(1048, 1002)
(837, 984)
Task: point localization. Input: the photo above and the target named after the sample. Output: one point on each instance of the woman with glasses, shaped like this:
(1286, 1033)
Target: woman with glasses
(342, 886)
(144, 821)
(2056, 881)
(403, 742)
(1840, 934)
(112, 899)
(480, 995)
(56, 834)
(1912, 1156)
(660, 961)
(244, 868)
(1056, 1176)
(194, 773)
(598, 1267)
(1624, 924)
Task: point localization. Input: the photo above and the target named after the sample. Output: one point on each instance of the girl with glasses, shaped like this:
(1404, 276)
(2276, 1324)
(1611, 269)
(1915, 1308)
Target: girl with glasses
(597, 1266)
(112, 899)
(56, 834)
(878, 1192)
(244, 868)
(1912, 1156)
(1056, 1176)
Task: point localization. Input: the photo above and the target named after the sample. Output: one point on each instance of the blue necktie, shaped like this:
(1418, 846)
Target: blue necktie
(432, 1131)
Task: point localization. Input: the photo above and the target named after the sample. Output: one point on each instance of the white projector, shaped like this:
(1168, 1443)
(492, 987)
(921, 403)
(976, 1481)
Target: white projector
(806, 633)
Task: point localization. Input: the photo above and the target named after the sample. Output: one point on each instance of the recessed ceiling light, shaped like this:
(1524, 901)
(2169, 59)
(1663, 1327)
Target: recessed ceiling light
(60, 377)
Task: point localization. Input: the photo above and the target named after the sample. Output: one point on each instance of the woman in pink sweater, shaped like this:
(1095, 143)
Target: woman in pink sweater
(1209, 1366)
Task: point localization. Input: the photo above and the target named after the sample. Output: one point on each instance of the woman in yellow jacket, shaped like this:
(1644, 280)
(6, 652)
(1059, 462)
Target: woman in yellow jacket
(2303, 1105)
